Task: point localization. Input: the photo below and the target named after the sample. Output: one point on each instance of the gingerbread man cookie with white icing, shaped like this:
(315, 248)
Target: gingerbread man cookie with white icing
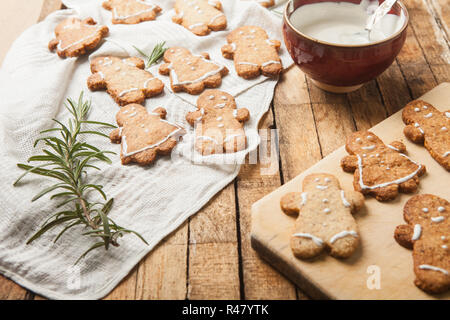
(325, 220)
(428, 126)
(131, 11)
(427, 233)
(380, 170)
(124, 79)
(200, 16)
(219, 126)
(144, 135)
(191, 73)
(253, 52)
(75, 37)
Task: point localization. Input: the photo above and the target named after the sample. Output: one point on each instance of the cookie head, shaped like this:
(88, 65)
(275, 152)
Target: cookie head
(320, 181)
(248, 34)
(173, 53)
(216, 99)
(362, 142)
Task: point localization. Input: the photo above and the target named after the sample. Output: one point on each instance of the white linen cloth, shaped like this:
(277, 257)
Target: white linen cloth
(152, 200)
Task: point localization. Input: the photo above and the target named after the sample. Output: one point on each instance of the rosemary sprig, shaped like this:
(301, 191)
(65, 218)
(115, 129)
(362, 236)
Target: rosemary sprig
(66, 159)
(157, 53)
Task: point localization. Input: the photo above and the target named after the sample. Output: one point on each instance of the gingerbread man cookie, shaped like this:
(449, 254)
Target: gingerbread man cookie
(191, 73)
(218, 124)
(75, 37)
(131, 11)
(144, 135)
(428, 126)
(380, 170)
(265, 3)
(124, 79)
(200, 16)
(253, 52)
(427, 232)
(325, 219)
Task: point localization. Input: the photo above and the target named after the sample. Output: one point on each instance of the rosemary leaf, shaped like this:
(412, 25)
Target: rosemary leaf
(68, 160)
(156, 54)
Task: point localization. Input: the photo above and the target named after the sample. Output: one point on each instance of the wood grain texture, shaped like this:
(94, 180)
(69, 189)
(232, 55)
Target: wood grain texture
(210, 255)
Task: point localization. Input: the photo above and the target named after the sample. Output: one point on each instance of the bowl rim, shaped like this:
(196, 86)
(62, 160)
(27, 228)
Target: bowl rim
(394, 35)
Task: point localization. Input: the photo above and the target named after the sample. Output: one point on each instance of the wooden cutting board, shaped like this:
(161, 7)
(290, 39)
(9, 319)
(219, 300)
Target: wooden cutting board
(379, 259)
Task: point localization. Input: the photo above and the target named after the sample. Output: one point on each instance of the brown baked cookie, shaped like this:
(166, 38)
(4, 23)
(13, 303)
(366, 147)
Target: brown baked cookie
(428, 126)
(75, 37)
(200, 16)
(427, 232)
(144, 135)
(253, 52)
(131, 11)
(219, 126)
(124, 79)
(380, 170)
(325, 218)
(191, 73)
(266, 3)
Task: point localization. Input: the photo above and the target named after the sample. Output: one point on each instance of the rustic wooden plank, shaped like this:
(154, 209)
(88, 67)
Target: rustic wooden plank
(9, 290)
(255, 181)
(299, 144)
(126, 290)
(213, 271)
(212, 242)
(162, 274)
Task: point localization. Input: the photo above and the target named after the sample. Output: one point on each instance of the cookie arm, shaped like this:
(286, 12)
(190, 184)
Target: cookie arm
(399, 146)
(164, 69)
(194, 116)
(228, 51)
(161, 112)
(290, 203)
(116, 135)
(349, 163)
(413, 133)
(138, 62)
(243, 115)
(53, 44)
(205, 55)
(355, 198)
(96, 82)
(403, 235)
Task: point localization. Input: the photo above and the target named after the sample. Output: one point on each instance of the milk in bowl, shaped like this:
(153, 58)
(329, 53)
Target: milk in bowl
(343, 23)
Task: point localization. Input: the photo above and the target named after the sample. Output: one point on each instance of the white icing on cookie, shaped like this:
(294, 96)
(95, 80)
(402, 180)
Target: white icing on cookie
(176, 82)
(124, 92)
(438, 219)
(344, 200)
(393, 148)
(417, 232)
(429, 267)
(78, 41)
(429, 115)
(150, 8)
(316, 240)
(441, 209)
(343, 234)
(425, 210)
(384, 184)
(321, 187)
(304, 198)
(369, 147)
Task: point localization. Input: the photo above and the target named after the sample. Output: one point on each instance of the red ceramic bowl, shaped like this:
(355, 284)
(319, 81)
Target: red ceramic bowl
(341, 68)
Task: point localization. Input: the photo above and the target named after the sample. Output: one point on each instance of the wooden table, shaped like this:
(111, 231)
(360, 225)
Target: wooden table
(209, 256)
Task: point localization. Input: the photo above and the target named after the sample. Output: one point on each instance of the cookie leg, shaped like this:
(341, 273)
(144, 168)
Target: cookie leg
(247, 71)
(194, 88)
(386, 193)
(410, 185)
(235, 143)
(213, 81)
(167, 146)
(344, 247)
(130, 97)
(145, 157)
(199, 30)
(272, 69)
(305, 248)
(219, 23)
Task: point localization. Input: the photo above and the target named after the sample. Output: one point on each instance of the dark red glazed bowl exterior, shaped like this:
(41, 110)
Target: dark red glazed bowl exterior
(341, 66)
